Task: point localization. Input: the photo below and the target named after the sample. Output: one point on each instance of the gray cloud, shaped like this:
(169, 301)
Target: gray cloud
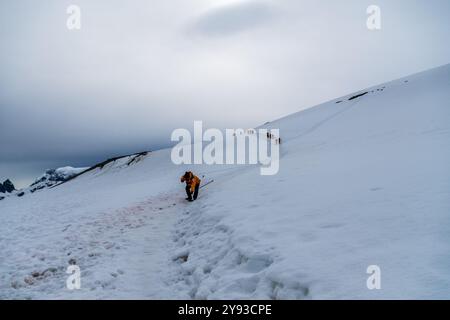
(234, 18)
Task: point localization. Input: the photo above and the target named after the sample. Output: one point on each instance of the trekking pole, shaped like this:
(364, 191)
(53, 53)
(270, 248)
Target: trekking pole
(206, 184)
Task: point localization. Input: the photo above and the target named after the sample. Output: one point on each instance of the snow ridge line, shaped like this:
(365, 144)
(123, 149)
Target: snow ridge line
(327, 119)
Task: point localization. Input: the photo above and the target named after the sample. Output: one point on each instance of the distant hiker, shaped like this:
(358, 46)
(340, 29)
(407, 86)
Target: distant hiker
(192, 185)
(271, 136)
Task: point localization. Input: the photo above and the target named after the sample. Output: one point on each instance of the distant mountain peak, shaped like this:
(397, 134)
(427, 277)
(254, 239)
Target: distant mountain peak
(7, 186)
(50, 178)
(53, 177)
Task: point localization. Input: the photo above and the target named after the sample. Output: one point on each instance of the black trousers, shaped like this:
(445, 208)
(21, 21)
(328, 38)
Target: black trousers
(189, 194)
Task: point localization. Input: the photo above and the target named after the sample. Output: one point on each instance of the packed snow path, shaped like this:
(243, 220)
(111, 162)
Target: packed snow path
(122, 253)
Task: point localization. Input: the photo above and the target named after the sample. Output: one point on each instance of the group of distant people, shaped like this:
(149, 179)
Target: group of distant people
(271, 136)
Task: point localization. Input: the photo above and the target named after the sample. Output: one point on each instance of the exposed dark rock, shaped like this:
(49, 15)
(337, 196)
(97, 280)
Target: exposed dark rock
(358, 95)
(136, 158)
(21, 194)
(8, 185)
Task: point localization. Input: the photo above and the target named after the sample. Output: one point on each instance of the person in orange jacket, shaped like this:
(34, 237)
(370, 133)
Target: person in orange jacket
(192, 185)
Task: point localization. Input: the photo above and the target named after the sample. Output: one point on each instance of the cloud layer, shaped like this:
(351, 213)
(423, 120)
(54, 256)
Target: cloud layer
(234, 18)
(139, 69)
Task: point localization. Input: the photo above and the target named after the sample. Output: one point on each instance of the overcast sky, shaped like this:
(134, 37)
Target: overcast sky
(139, 69)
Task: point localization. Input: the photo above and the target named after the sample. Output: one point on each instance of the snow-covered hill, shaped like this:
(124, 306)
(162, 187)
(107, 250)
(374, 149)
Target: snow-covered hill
(49, 179)
(364, 180)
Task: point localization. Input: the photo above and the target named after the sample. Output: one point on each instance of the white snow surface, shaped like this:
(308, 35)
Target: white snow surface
(361, 182)
(69, 171)
(62, 173)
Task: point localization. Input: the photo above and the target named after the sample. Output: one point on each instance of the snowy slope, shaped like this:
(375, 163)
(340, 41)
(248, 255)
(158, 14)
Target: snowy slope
(362, 182)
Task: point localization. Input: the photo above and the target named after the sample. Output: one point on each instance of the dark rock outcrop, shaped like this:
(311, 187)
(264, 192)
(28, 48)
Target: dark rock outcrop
(7, 186)
(135, 157)
(358, 95)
